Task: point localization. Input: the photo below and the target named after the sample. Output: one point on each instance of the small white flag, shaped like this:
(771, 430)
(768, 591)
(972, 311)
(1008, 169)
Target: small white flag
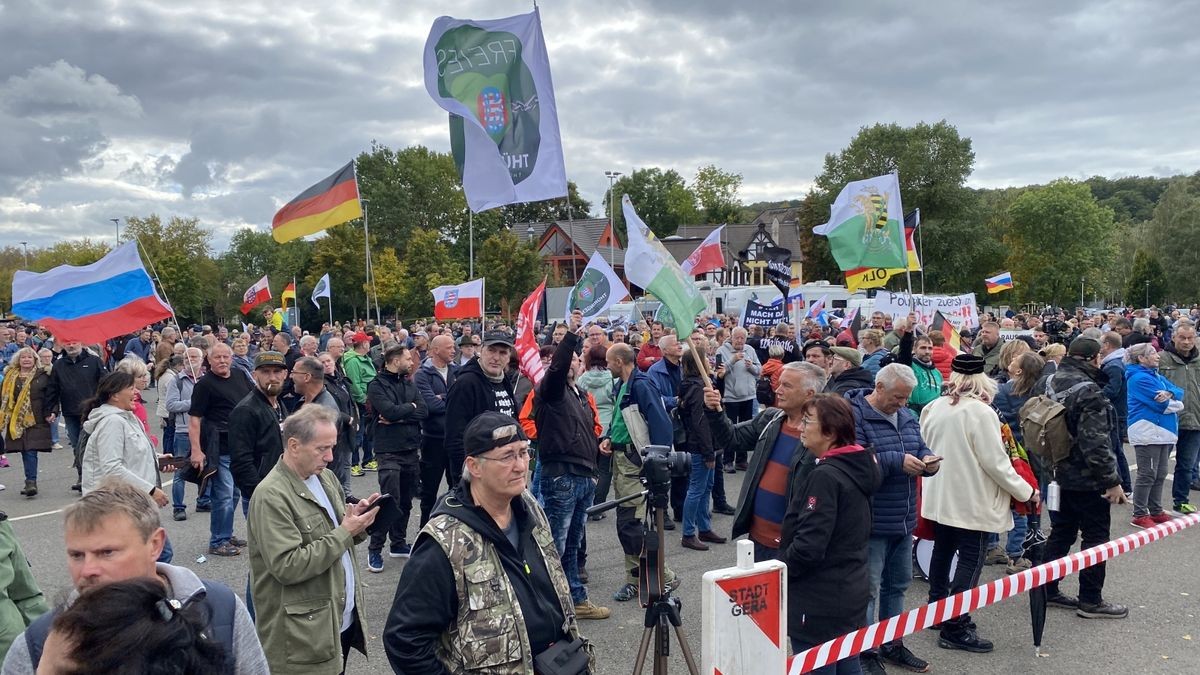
(321, 290)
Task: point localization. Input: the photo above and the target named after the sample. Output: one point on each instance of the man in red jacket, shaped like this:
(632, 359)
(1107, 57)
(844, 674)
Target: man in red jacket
(650, 353)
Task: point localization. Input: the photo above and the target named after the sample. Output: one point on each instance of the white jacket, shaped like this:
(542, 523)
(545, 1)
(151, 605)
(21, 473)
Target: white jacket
(976, 480)
(118, 446)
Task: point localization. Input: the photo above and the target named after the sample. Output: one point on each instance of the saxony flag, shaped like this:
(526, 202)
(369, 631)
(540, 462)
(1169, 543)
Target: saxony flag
(877, 277)
(331, 202)
(865, 227)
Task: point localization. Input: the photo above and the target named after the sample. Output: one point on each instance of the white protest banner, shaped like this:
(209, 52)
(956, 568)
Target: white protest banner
(1009, 334)
(960, 310)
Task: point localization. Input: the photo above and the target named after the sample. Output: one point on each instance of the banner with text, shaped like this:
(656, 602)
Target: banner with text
(960, 310)
(755, 314)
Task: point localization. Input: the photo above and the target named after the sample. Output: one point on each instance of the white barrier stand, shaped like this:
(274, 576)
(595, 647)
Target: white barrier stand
(744, 612)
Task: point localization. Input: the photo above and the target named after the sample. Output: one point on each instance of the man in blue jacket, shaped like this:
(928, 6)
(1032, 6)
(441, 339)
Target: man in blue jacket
(666, 374)
(884, 423)
(649, 425)
(433, 380)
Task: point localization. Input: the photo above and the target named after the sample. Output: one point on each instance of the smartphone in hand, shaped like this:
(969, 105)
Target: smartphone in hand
(379, 501)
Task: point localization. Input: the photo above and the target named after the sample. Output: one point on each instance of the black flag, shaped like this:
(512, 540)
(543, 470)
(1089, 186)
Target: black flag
(779, 268)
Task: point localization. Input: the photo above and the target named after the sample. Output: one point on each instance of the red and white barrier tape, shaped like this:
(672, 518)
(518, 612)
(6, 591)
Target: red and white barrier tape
(981, 596)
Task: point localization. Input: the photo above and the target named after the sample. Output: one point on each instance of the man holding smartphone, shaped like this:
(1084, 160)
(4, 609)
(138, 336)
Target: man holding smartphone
(884, 422)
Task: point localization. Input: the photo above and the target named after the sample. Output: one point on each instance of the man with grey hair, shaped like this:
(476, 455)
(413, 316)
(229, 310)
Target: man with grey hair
(302, 552)
(738, 366)
(779, 457)
(884, 423)
(308, 346)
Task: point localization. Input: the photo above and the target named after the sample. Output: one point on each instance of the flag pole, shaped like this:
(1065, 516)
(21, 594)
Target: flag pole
(296, 300)
(471, 244)
(154, 273)
(921, 249)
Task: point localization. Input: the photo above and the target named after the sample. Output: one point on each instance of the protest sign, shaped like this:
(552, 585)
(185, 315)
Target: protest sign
(960, 310)
(755, 314)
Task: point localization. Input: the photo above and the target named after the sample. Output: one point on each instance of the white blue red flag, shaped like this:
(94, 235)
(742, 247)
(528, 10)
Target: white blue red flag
(112, 296)
(817, 311)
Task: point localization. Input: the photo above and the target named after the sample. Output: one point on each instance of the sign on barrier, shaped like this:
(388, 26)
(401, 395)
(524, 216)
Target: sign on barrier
(744, 610)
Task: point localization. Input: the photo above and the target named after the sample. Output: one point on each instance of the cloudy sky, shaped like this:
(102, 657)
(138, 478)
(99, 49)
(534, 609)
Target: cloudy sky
(225, 110)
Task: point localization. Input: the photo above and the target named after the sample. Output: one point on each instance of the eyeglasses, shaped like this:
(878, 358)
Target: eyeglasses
(508, 458)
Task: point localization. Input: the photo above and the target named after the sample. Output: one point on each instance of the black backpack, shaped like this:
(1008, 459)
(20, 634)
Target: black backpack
(764, 392)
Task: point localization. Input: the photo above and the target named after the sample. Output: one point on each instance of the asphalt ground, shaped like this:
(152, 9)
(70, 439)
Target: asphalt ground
(1160, 583)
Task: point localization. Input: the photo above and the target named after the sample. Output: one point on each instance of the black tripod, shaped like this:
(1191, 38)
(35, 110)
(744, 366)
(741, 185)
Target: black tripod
(662, 608)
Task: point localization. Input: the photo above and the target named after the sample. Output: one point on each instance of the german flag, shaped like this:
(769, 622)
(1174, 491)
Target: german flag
(942, 325)
(331, 202)
(289, 293)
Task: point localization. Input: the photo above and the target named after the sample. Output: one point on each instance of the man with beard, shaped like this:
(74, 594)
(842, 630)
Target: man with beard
(254, 441)
(478, 386)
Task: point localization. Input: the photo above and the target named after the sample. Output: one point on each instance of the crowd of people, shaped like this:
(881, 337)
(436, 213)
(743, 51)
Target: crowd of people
(841, 435)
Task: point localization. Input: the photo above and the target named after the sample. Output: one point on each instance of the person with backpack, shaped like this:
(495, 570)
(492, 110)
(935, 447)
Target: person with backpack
(114, 534)
(1087, 477)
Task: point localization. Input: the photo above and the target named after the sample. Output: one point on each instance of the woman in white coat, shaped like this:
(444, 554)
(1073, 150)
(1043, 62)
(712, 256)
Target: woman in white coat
(971, 497)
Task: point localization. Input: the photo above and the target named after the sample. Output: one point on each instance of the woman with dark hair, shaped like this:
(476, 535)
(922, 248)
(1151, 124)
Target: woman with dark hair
(132, 627)
(24, 419)
(826, 530)
(697, 513)
(598, 381)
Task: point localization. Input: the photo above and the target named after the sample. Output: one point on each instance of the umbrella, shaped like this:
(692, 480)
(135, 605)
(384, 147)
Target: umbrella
(1034, 546)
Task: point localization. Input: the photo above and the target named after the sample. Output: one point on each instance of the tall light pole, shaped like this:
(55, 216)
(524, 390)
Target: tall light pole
(117, 222)
(26, 245)
(612, 215)
(1147, 292)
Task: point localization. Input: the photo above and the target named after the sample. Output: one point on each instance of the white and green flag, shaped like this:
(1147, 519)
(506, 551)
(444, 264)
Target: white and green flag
(649, 265)
(493, 77)
(598, 289)
(866, 224)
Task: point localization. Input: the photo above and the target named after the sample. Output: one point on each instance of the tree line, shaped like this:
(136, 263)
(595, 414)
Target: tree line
(1130, 240)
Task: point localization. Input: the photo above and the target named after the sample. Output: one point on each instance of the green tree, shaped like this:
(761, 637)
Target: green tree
(341, 253)
(1174, 237)
(512, 269)
(717, 193)
(427, 264)
(661, 198)
(1059, 237)
(1147, 282)
(253, 253)
(412, 188)
(548, 210)
(180, 252)
(933, 162)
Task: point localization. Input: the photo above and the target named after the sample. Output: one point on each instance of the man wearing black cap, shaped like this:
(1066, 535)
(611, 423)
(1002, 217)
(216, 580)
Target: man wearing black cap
(1088, 480)
(255, 443)
(479, 386)
(492, 524)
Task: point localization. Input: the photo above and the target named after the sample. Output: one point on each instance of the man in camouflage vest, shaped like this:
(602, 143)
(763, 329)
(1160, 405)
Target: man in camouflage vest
(484, 588)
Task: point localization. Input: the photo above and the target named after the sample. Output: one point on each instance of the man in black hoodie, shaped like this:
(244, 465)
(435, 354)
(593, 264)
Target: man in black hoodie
(846, 372)
(399, 409)
(490, 523)
(479, 386)
(73, 380)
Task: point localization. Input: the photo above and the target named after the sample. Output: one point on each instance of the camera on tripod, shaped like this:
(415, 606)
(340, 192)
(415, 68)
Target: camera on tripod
(659, 465)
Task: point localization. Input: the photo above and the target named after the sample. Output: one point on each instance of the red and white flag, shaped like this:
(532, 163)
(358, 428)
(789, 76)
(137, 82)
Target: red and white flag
(707, 257)
(530, 363)
(464, 301)
(256, 295)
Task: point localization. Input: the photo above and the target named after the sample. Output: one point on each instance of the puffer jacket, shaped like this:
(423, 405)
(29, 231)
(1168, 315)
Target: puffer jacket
(894, 503)
(1183, 370)
(1151, 422)
(1090, 419)
(599, 383)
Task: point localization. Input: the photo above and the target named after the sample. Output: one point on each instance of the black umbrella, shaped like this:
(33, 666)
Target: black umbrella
(1034, 546)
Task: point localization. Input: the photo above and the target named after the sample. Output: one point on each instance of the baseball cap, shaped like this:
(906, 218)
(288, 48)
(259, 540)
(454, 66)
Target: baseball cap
(852, 355)
(420, 333)
(359, 338)
(1085, 348)
(497, 337)
(490, 430)
(269, 360)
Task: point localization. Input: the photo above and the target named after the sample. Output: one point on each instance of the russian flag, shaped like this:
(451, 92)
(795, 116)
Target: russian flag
(1000, 282)
(112, 296)
(817, 311)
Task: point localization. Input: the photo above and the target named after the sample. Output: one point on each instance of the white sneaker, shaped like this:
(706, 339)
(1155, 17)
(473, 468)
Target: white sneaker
(56, 446)
(1, 488)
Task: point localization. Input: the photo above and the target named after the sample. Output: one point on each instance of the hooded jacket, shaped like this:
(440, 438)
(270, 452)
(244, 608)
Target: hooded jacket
(824, 543)
(1151, 422)
(929, 378)
(1090, 419)
(1113, 366)
(1183, 370)
(396, 400)
(854, 377)
(471, 394)
(426, 612)
(599, 383)
(894, 503)
(117, 445)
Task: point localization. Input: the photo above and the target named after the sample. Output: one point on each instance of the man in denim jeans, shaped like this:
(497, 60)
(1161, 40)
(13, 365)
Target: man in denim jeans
(213, 398)
(567, 429)
(884, 423)
(178, 402)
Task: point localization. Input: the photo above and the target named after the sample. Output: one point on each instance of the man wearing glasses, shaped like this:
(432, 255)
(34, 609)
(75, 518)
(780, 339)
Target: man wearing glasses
(486, 556)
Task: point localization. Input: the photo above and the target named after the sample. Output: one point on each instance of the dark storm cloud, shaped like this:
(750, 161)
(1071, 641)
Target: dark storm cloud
(222, 111)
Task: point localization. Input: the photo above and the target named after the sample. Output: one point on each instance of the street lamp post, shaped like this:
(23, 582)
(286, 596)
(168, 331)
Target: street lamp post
(117, 222)
(26, 245)
(612, 215)
(1147, 292)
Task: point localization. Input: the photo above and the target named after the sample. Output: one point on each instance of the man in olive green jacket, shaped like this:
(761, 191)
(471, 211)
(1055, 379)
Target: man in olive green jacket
(303, 568)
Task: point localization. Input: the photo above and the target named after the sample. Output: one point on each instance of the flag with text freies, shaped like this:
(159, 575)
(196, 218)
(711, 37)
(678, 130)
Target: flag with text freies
(493, 77)
(649, 265)
(865, 227)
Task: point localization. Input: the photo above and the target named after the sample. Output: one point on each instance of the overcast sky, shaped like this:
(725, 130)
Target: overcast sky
(226, 110)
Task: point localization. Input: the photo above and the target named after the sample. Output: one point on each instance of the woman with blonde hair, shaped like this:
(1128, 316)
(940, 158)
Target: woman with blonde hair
(1053, 354)
(972, 495)
(1008, 352)
(24, 419)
